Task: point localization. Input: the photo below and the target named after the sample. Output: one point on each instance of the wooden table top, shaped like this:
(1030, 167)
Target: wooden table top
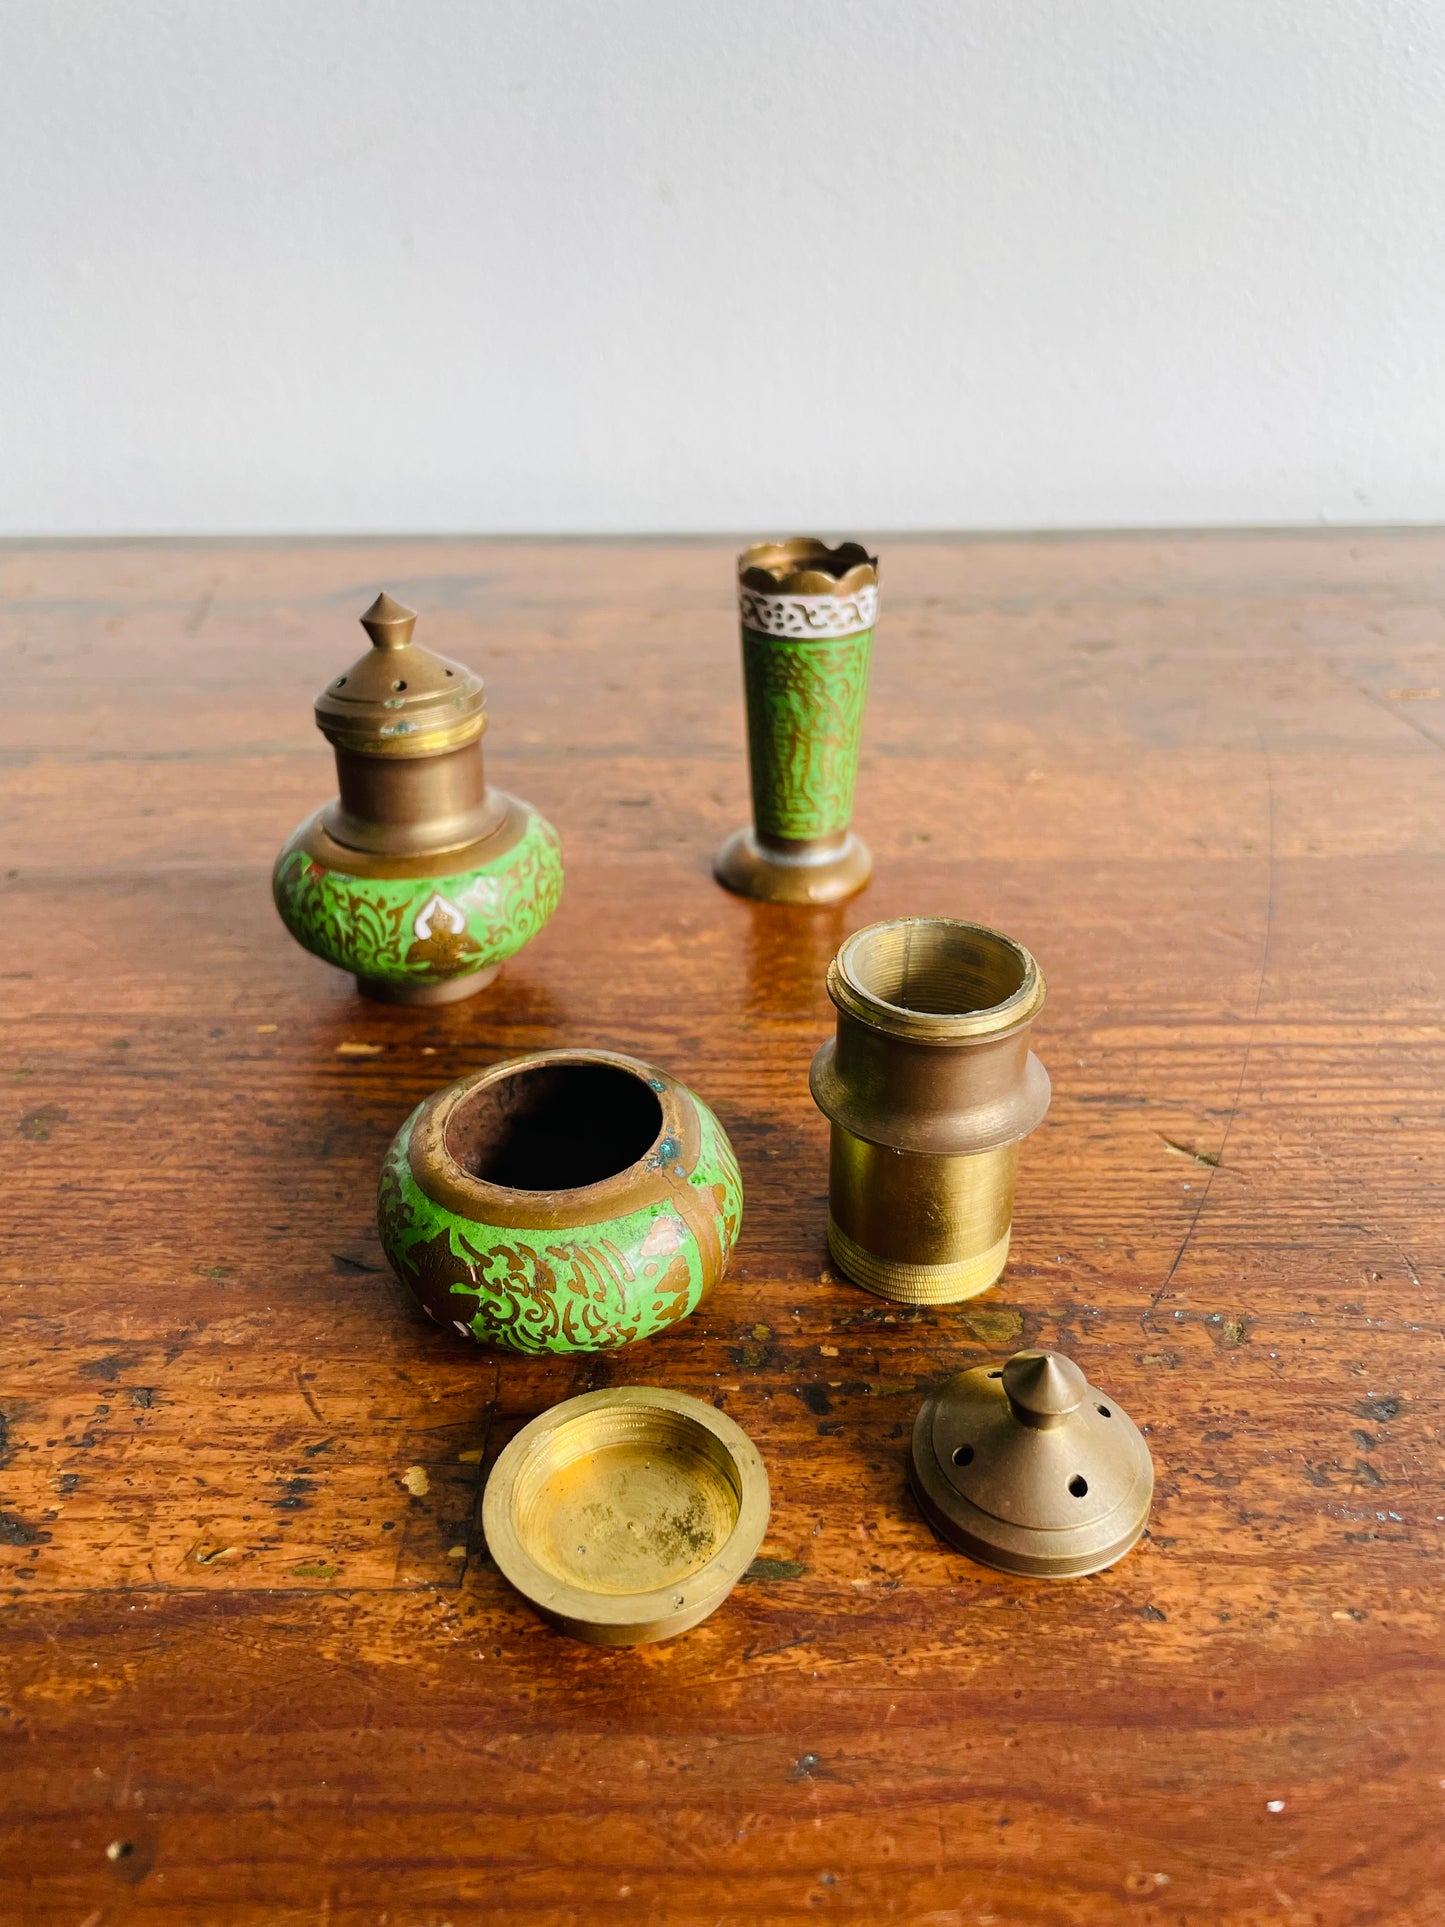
(251, 1673)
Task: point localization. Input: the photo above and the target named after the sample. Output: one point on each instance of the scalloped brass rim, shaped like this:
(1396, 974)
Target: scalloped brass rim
(802, 565)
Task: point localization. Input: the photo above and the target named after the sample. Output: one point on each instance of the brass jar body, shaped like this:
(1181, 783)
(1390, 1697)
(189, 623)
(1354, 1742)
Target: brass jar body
(929, 1086)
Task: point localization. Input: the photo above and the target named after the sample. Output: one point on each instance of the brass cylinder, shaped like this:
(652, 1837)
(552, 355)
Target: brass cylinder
(412, 806)
(929, 1085)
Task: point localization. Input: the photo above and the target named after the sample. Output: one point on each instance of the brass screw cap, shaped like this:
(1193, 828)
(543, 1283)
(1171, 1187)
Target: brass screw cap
(1028, 1468)
(400, 700)
(627, 1515)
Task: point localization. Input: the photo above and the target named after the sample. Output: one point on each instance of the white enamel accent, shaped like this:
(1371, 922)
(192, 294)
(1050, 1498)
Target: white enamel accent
(809, 615)
(453, 920)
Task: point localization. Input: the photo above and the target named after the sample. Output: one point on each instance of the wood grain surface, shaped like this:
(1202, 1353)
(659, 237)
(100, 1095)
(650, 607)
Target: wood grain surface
(254, 1669)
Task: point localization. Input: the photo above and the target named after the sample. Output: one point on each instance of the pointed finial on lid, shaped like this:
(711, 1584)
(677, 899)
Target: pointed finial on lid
(1028, 1468)
(1043, 1387)
(389, 623)
(400, 699)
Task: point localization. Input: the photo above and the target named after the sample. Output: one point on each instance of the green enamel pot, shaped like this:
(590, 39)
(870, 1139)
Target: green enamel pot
(565, 1201)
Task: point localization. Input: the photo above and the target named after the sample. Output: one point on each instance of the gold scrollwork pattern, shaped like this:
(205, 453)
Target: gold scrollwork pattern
(570, 1289)
(421, 929)
(805, 722)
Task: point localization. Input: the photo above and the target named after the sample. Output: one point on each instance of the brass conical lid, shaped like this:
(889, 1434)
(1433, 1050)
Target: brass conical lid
(399, 699)
(1028, 1468)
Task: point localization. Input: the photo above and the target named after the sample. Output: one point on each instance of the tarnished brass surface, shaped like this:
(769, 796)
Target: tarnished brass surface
(782, 870)
(626, 1515)
(399, 699)
(929, 1085)
(506, 818)
(406, 726)
(1028, 1468)
(421, 996)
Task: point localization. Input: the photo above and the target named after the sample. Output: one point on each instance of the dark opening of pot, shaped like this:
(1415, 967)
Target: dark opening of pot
(935, 965)
(554, 1127)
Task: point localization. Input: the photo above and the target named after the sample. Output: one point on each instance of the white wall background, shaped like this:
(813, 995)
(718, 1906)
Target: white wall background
(738, 264)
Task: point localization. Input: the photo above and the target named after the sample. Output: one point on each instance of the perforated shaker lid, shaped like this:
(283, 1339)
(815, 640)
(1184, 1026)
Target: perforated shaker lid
(399, 699)
(1029, 1468)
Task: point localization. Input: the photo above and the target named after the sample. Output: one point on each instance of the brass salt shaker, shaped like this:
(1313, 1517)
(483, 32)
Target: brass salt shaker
(418, 878)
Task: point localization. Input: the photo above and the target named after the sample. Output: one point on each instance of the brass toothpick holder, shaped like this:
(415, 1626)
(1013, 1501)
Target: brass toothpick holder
(807, 614)
(929, 1085)
(417, 878)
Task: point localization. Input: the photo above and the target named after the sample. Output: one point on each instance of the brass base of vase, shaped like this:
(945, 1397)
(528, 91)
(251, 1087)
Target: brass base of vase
(452, 990)
(810, 874)
(906, 1284)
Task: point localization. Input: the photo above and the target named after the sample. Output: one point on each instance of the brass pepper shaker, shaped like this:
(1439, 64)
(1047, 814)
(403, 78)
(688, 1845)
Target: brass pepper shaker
(929, 1086)
(417, 878)
(807, 615)
(1028, 1468)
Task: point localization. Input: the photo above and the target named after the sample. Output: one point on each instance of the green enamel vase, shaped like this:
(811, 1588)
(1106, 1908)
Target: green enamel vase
(807, 614)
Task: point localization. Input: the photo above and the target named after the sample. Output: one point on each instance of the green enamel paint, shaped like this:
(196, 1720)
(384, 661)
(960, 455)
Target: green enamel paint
(587, 1289)
(805, 721)
(421, 929)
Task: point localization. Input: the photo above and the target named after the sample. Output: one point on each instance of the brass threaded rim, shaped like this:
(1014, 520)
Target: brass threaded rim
(939, 955)
(360, 739)
(905, 1284)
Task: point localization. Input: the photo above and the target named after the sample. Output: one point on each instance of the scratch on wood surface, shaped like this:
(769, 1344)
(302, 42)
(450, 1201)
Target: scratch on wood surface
(309, 1397)
(1269, 914)
(196, 620)
(1400, 715)
(1210, 1158)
